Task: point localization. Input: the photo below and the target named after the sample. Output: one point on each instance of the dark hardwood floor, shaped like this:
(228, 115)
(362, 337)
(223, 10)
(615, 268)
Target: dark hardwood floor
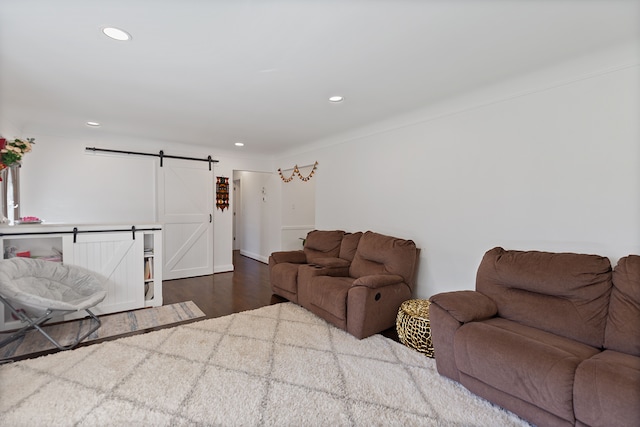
(246, 288)
(220, 294)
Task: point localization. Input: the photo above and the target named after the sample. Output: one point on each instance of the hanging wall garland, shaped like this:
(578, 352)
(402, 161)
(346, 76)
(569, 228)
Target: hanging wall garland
(296, 171)
(308, 177)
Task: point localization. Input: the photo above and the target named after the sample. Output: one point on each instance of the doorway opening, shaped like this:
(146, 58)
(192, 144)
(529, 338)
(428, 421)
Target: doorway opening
(269, 214)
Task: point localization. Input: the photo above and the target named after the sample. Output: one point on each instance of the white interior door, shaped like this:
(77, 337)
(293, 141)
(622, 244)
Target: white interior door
(185, 207)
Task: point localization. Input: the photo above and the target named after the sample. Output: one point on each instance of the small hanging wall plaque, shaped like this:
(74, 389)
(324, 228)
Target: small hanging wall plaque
(222, 193)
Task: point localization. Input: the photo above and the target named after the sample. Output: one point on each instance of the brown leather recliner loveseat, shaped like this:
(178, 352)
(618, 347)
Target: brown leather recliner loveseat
(552, 337)
(318, 246)
(362, 288)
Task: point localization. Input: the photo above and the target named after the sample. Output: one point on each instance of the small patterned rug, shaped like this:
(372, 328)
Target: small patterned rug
(113, 325)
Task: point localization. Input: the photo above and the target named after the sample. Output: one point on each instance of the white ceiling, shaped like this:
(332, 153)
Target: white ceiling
(217, 72)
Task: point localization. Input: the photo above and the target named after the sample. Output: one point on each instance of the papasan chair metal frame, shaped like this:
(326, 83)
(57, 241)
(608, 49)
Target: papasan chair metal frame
(35, 291)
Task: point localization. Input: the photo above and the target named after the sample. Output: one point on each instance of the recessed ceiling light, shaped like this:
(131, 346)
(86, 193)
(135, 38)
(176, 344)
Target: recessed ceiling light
(93, 124)
(116, 33)
(239, 144)
(336, 98)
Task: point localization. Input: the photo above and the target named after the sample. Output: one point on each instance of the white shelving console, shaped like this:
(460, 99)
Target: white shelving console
(122, 256)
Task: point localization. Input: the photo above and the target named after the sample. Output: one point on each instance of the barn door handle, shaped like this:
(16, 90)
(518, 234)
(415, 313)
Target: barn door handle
(210, 218)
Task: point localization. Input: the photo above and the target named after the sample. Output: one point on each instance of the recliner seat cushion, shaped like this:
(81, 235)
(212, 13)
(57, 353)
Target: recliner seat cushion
(607, 390)
(562, 293)
(330, 294)
(535, 366)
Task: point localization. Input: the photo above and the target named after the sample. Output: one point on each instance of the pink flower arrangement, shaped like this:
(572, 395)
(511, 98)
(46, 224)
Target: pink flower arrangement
(11, 151)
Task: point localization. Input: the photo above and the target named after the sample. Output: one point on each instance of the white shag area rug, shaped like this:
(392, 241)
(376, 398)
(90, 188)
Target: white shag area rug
(275, 366)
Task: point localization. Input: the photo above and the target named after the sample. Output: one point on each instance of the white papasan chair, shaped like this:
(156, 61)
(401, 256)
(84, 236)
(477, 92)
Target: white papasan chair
(36, 291)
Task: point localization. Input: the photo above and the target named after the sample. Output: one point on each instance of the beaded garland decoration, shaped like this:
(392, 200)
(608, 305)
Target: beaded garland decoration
(296, 171)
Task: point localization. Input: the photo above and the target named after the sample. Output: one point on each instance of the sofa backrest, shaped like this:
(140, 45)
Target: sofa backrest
(380, 254)
(323, 244)
(623, 322)
(349, 245)
(563, 293)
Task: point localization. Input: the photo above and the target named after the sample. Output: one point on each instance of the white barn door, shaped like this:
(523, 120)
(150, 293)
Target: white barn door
(117, 260)
(185, 207)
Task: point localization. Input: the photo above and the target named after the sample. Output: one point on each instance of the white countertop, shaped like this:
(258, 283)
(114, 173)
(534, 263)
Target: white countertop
(6, 229)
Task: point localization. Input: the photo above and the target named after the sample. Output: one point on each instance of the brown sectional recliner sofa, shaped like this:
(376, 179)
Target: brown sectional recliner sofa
(552, 337)
(359, 289)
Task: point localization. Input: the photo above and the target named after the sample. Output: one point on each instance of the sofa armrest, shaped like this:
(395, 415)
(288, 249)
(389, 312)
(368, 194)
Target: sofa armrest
(308, 272)
(466, 306)
(330, 262)
(294, 257)
(447, 313)
(375, 281)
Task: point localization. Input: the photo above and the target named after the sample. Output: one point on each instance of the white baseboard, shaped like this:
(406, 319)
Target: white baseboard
(257, 257)
(222, 268)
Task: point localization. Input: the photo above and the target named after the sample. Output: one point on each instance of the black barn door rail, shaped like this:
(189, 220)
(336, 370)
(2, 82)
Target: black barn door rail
(160, 154)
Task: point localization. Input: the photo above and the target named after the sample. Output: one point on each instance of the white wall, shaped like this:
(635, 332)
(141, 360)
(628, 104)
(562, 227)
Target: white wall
(550, 161)
(61, 182)
(298, 207)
